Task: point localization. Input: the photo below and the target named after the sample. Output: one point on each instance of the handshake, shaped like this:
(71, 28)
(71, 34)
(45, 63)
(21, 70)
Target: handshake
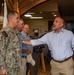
(30, 59)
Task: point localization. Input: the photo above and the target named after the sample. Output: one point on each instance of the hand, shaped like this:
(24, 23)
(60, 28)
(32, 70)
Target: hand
(3, 72)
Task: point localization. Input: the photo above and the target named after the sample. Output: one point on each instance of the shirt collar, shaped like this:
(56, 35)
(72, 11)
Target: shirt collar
(11, 29)
(23, 33)
(62, 30)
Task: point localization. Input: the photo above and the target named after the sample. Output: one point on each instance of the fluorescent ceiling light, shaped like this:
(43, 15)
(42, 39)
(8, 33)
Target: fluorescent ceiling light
(36, 17)
(31, 13)
(55, 15)
(28, 15)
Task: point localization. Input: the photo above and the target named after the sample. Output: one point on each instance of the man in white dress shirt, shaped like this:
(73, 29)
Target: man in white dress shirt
(60, 43)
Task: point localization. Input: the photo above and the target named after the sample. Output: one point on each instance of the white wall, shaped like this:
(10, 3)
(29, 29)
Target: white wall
(41, 24)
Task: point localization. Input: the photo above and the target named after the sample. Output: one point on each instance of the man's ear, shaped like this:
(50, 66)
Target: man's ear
(10, 18)
(62, 24)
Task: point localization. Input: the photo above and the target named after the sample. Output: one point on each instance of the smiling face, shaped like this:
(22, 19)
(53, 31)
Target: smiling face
(57, 24)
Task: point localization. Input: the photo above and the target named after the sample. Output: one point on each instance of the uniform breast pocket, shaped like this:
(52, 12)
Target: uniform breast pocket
(15, 41)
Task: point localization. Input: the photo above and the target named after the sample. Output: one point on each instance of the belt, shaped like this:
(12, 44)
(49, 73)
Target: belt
(62, 60)
(23, 56)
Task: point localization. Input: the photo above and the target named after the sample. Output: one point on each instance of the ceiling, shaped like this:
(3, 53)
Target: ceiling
(64, 8)
(47, 10)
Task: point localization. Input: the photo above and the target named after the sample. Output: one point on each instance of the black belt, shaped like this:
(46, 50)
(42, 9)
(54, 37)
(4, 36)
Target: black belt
(62, 60)
(23, 56)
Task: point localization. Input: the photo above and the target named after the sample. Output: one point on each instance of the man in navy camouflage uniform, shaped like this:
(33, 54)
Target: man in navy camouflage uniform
(10, 46)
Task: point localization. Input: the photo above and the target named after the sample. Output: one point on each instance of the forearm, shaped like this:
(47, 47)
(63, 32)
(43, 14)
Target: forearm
(3, 48)
(28, 42)
(2, 54)
(3, 70)
(2, 57)
(2, 61)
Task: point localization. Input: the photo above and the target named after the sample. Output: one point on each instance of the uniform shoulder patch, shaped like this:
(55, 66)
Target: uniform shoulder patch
(4, 34)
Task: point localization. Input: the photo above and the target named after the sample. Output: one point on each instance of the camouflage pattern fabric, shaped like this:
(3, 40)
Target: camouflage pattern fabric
(10, 50)
(12, 71)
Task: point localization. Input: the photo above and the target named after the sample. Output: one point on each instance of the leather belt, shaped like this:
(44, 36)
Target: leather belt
(62, 60)
(23, 56)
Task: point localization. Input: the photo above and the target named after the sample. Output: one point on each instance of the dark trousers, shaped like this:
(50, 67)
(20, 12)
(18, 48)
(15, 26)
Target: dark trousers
(27, 68)
(34, 69)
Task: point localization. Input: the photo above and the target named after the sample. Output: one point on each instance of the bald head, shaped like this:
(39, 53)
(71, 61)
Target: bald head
(26, 28)
(58, 24)
(61, 19)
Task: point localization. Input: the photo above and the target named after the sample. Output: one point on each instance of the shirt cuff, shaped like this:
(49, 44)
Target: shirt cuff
(2, 67)
(32, 42)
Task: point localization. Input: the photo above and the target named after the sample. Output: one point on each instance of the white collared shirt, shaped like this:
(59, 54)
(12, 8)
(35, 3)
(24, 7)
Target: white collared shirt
(60, 44)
